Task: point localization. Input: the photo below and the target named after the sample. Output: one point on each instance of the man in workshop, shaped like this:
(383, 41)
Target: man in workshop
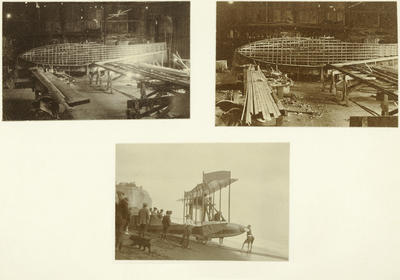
(144, 219)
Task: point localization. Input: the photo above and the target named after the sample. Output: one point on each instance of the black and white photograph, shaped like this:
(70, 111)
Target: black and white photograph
(199, 139)
(202, 202)
(321, 64)
(96, 60)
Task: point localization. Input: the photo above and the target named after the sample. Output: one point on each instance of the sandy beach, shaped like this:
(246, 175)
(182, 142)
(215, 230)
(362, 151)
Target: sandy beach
(171, 249)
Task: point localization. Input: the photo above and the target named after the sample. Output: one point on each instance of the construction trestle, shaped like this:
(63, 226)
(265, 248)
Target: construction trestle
(345, 78)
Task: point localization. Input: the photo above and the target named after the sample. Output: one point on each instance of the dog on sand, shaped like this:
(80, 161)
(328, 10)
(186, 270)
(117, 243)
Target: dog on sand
(142, 242)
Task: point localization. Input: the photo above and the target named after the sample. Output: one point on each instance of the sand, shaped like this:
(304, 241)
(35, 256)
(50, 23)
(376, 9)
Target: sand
(171, 249)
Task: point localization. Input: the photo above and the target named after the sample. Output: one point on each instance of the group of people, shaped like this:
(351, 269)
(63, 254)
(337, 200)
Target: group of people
(154, 212)
(122, 219)
(144, 218)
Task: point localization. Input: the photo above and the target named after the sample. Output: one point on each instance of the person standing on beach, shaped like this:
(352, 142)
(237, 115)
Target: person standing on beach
(144, 218)
(249, 240)
(126, 215)
(118, 225)
(166, 222)
(121, 220)
(187, 231)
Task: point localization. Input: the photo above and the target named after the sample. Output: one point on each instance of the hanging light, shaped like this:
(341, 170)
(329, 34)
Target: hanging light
(8, 16)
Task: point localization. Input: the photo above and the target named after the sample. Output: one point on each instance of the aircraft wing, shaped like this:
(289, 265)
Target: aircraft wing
(209, 188)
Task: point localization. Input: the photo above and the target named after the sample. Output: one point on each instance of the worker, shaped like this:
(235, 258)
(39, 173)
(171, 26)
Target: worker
(187, 231)
(124, 205)
(218, 216)
(166, 222)
(249, 239)
(121, 220)
(144, 219)
(118, 223)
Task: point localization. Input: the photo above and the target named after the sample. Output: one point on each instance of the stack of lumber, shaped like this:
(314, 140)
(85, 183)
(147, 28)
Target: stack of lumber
(259, 101)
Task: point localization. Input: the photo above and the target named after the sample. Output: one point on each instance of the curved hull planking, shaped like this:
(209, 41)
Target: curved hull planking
(313, 52)
(76, 54)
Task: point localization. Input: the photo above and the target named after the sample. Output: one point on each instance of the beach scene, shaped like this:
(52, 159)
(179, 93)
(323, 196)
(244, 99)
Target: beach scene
(223, 201)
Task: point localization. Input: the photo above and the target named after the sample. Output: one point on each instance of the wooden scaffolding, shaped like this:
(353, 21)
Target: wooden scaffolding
(313, 52)
(76, 54)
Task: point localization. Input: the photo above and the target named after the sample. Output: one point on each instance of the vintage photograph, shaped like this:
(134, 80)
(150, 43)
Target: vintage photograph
(202, 202)
(306, 64)
(96, 60)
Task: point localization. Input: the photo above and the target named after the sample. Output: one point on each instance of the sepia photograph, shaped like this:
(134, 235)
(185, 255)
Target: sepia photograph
(227, 201)
(96, 60)
(329, 64)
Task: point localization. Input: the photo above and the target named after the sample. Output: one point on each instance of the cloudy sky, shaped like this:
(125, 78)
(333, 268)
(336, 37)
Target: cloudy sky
(259, 198)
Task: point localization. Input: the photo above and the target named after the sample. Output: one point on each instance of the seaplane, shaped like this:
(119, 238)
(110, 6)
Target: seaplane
(202, 212)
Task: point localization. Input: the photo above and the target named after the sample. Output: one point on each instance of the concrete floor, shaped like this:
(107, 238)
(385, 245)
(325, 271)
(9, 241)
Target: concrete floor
(328, 112)
(103, 105)
(17, 102)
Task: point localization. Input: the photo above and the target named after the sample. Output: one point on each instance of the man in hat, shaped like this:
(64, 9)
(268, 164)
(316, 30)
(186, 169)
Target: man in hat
(144, 218)
(122, 217)
(166, 222)
(187, 231)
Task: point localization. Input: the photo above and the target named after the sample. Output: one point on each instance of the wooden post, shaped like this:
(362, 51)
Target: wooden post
(220, 199)
(142, 90)
(104, 23)
(195, 210)
(385, 105)
(229, 202)
(213, 203)
(334, 90)
(108, 86)
(203, 216)
(184, 208)
(345, 96)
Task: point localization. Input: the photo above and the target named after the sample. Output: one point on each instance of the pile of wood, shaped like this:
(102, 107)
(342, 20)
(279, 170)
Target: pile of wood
(259, 102)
